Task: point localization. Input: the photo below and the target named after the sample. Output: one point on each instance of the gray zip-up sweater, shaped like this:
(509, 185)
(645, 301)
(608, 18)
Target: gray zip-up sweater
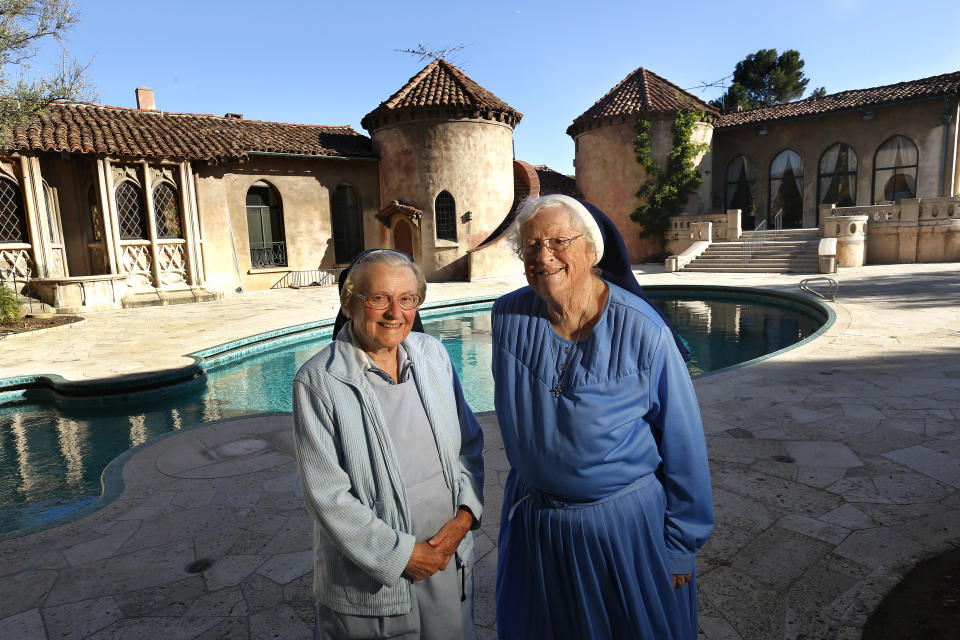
(351, 481)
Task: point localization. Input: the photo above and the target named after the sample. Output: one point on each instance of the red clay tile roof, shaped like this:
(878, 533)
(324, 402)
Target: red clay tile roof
(442, 87)
(947, 84)
(552, 182)
(115, 131)
(641, 92)
(397, 206)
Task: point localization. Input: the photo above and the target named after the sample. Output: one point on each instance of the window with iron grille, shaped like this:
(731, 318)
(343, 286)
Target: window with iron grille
(347, 225)
(13, 222)
(167, 210)
(268, 247)
(445, 217)
(130, 211)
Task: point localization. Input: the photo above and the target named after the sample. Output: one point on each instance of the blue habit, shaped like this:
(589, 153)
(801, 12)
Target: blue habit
(609, 488)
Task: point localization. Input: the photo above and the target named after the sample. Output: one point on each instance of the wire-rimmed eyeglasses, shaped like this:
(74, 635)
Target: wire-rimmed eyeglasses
(554, 245)
(381, 301)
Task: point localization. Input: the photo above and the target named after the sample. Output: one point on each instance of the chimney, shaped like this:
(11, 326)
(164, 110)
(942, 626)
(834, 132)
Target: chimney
(145, 100)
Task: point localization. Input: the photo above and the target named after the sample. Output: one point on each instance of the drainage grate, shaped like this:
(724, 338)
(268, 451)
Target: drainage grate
(198, 566)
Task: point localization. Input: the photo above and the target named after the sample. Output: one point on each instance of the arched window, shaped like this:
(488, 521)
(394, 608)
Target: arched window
(265, 226)
(786, 188)
(837, 177)
(741, 189)
(13, 222)
(347, 225)
(133, 225)
(895, 170)
(166, 208)
(445, 217)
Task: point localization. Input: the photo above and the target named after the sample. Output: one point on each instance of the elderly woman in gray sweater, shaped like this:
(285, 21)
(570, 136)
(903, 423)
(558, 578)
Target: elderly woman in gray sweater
(390, 461)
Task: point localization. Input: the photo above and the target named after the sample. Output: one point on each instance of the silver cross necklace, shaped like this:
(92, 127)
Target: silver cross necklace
(564, 367)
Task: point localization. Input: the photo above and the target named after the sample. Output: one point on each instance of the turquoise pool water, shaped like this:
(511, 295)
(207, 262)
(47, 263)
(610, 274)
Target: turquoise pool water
(53, 451)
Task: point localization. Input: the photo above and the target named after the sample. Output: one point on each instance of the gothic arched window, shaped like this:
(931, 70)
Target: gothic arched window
(445, 215)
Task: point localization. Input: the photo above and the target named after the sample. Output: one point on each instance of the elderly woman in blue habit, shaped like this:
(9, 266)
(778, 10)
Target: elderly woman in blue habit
(608, 496)
(390, 462)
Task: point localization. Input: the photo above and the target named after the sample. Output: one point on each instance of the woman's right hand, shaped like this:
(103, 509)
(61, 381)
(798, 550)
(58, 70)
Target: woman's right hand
(424, 562)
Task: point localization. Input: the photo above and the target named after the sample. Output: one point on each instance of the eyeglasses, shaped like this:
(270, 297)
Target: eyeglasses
(555, 246)
(381, 301)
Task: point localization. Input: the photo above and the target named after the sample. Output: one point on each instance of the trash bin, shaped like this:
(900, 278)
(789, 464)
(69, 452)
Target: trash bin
(828, 264)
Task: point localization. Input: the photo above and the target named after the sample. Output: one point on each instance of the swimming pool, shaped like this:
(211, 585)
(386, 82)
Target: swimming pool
(54, 449)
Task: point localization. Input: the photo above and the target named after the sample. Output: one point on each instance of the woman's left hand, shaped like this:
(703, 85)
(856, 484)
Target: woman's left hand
(680, 579)
(451, 534)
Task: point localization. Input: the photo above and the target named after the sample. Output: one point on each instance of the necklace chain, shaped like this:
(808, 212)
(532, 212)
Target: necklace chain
(563, 368)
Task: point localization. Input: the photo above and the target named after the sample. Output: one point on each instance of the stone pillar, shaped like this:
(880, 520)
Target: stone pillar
(734, 229)
(701, 231)
(909, 231)
(826, 212)
(109, 230)
(110, 215)
(186, 219)
(851, 235)
(35, 223)
(151, 226)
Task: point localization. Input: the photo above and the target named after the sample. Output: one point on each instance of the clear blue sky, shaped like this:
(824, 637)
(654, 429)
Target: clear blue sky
(330, 63)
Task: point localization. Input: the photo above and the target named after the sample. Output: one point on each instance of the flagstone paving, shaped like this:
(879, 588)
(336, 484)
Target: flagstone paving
(835, 466)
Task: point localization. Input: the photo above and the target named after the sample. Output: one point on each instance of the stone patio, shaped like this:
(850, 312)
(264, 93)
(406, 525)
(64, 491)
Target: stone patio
(836, 466)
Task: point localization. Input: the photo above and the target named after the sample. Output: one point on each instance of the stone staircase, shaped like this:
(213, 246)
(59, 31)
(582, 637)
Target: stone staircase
(785, 251)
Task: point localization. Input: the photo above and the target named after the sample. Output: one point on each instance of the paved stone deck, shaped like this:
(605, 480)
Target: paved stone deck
(836, 466)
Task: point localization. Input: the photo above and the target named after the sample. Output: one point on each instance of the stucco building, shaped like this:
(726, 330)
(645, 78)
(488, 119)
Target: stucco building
(874, 147)
(104, 206)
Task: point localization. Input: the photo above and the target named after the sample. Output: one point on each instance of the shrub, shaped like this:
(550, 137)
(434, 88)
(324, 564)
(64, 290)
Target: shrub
(9, 306)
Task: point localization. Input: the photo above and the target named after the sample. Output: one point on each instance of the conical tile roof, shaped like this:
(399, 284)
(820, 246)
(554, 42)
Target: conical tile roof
(441, 87)
(641, 92)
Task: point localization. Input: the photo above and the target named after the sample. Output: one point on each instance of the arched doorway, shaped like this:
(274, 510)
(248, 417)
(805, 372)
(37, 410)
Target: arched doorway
(403, 237)
(347, 225)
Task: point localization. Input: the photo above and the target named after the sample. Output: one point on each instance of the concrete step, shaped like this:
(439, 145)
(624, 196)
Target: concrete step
(740, 269)
(164, 298)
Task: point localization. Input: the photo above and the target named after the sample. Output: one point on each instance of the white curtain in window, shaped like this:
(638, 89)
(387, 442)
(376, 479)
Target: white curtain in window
(898, 151)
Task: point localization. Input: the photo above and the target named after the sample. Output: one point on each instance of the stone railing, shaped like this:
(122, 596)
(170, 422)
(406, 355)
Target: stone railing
(916, 230)
(686, 229)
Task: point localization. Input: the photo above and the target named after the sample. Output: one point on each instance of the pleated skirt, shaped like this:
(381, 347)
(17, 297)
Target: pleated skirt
(596, 570)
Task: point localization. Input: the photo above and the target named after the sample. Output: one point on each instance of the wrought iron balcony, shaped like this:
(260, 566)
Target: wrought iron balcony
(268, 254)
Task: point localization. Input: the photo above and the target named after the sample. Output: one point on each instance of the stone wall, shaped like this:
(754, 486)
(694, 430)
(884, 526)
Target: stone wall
(470, 159)
(304, 186)
(864, 130)
(609, 175)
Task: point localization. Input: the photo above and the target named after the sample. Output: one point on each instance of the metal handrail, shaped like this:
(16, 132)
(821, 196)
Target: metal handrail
(753, 242)
(777, 224)
(308, 278)
(833, 285)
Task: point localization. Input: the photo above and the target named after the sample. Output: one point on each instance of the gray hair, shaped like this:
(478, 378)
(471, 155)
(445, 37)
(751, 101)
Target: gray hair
(386, 257)
(579, 217)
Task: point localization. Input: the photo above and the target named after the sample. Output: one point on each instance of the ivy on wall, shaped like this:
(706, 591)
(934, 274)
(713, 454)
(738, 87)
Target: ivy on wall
(665, 193)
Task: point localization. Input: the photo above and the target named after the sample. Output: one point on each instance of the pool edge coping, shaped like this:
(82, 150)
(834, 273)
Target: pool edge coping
(111, 479)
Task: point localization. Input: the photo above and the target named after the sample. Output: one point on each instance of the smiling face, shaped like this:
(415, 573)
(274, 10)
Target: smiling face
(380, 330)
(556, 276)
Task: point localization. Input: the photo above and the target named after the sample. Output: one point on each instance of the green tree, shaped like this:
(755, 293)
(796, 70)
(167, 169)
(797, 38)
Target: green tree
(24, 26)
(765, 78)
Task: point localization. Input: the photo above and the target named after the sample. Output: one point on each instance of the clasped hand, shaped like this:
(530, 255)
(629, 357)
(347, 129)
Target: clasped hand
(434, 554)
